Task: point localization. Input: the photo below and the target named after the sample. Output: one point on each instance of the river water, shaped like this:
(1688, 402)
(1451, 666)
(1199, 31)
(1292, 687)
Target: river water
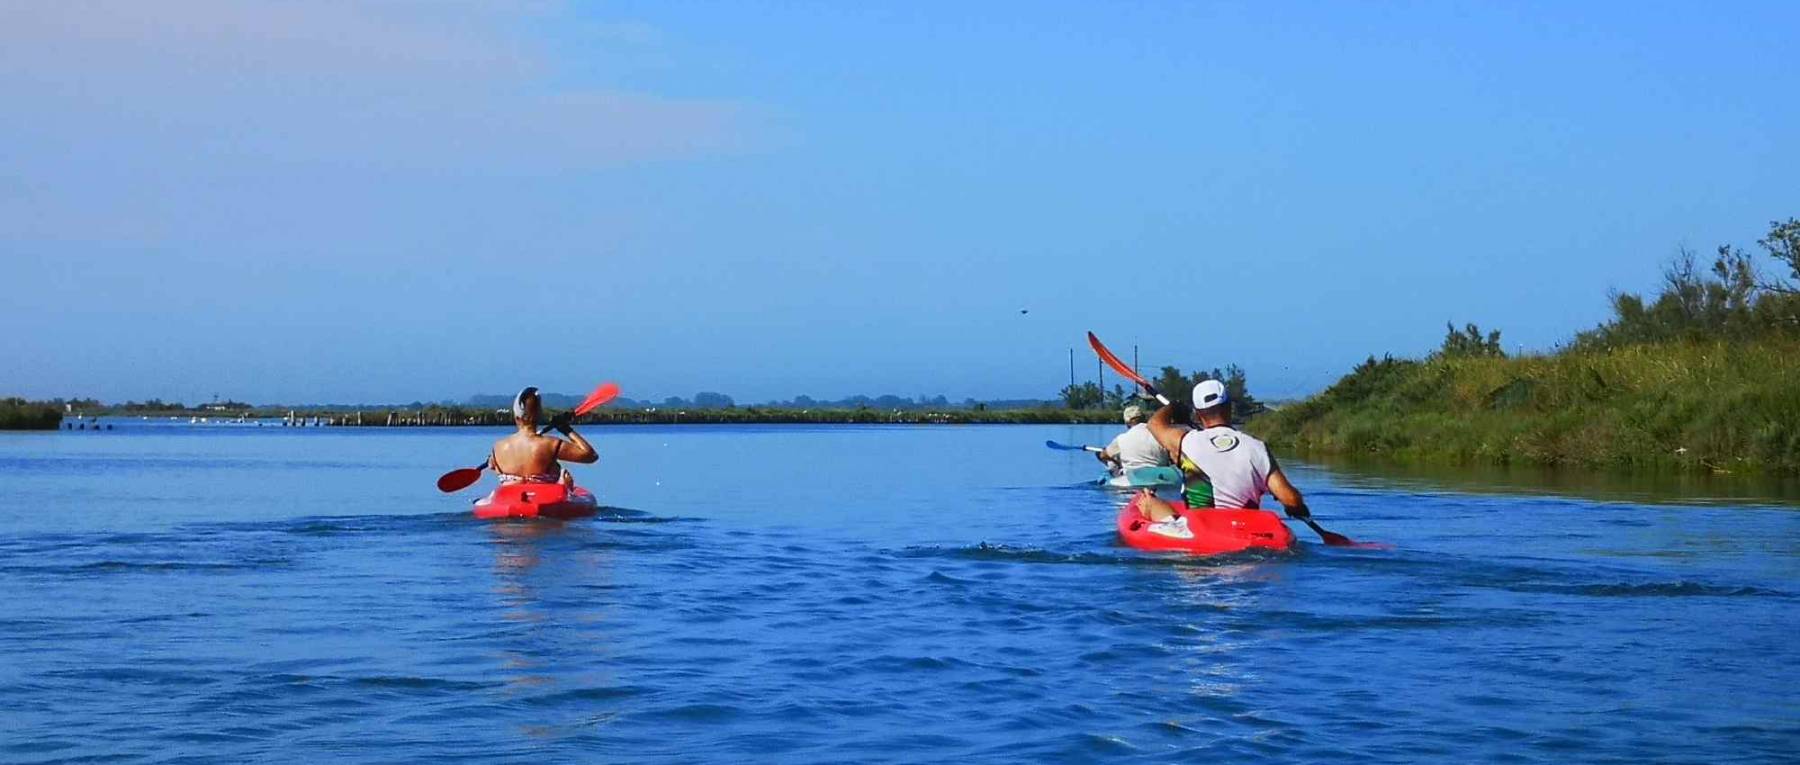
(858, 594)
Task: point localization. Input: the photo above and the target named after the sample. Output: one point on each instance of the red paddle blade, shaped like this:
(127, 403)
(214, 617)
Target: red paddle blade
(606, 392)
(1334, 539)
(1114, 361)
(459, 479)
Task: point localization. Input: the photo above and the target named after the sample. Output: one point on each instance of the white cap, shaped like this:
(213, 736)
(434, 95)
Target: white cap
(1209, 393)
(1134, 412)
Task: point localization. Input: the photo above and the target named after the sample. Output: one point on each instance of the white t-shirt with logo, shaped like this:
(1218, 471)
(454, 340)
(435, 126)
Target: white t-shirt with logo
(1137, 448)
(1236, 463)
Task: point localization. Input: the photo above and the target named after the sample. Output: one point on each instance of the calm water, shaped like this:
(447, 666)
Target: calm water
(854, 594)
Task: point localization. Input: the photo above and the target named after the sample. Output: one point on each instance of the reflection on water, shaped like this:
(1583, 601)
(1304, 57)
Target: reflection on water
(534, 562)
(1646, 487)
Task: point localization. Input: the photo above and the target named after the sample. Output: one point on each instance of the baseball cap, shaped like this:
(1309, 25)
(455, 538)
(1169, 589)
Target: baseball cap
(1210, 393)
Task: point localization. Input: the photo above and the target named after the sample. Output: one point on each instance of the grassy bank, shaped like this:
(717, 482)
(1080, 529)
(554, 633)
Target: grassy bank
(1704, 375)
(1723, 406)
(19, 414)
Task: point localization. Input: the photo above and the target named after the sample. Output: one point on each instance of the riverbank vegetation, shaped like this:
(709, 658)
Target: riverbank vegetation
(1704, 375)
(422, 414)
(19, 414)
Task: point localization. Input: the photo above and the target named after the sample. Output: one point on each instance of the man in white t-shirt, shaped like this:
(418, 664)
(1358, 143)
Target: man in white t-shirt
(1135, 448)
(1222, 466)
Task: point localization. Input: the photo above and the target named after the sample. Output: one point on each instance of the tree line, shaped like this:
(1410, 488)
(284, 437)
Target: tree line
(1731, 299)
(1174, 384)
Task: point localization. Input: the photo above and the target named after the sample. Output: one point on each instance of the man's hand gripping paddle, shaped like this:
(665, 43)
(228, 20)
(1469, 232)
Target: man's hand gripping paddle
(462, 478)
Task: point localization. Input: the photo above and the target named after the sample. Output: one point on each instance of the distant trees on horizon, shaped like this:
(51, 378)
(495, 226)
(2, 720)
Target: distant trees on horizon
(1174, 384)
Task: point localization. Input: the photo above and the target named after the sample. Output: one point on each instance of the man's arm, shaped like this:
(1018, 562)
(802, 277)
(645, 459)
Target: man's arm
(1168, 434)
(1109, 455)
(1287, 495)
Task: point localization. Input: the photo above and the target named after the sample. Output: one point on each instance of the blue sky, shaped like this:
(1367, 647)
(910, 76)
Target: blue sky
(323, 201)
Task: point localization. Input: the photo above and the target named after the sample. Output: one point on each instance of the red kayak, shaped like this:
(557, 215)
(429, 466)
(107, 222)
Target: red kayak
(537, 500)
(1215, 531)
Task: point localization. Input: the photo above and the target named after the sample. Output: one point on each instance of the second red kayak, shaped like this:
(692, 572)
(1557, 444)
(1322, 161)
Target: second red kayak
(1215, 531)
(537, 500)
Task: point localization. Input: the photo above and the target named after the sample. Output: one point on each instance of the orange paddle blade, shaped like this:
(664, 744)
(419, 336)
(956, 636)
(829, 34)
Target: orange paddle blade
(606, 392)
(1114, 361)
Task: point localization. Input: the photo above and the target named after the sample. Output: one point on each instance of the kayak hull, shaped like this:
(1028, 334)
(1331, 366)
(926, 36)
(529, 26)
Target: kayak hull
(1216, 531)
(1143, 478)
(537, 500)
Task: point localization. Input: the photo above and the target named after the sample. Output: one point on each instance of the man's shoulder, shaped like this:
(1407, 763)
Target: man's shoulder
(1249, 439)
(1224, 438)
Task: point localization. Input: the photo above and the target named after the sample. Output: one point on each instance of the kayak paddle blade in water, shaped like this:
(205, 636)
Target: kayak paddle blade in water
(1333, 539)
(1070, 448)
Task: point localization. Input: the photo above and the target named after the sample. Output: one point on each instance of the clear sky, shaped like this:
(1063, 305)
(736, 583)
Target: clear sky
(348, 202)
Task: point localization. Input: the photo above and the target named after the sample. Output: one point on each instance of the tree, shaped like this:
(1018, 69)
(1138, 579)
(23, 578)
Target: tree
(1729, 301)
(1783, 244)
(1174, 385)
(1083, 396)
(1237, 390)
(711, 400)
(1116, 398)
(1470, 342)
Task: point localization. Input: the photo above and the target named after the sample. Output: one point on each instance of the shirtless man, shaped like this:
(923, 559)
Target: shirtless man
(526, 457)
(1223, 467)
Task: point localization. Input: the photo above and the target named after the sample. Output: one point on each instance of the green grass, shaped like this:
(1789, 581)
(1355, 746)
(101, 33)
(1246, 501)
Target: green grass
(1719, 406)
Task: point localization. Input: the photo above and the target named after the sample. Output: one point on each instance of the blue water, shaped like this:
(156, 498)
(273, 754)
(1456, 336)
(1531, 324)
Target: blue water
(880, 594)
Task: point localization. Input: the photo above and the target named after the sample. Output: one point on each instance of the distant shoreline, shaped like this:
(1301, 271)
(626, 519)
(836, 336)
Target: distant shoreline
(457, 417)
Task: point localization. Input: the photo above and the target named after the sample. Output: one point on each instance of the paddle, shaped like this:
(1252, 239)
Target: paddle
(1119, 366)
(1329, 538)
(607, 391)
(462, 478)
(1069, 448)
(1332, 539)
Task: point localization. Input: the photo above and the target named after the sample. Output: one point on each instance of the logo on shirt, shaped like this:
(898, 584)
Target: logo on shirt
(1224, 442)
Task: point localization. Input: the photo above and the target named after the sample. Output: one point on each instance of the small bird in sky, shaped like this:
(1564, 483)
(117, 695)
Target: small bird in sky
(1023, 311)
